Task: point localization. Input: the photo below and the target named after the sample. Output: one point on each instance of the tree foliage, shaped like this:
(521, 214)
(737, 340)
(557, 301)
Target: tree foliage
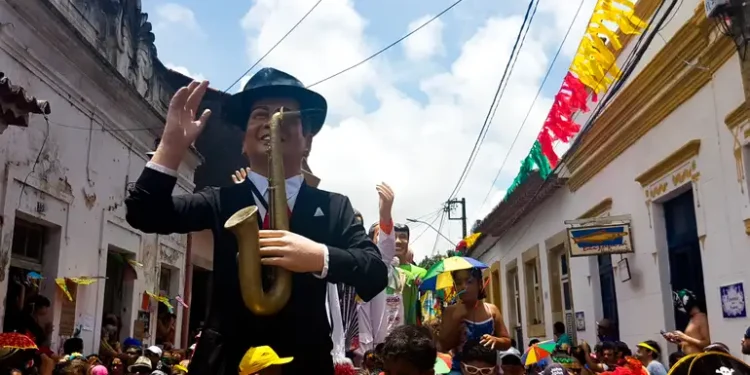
(430, 261)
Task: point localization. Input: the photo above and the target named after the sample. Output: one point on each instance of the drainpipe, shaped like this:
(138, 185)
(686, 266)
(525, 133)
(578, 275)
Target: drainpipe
(187, 292)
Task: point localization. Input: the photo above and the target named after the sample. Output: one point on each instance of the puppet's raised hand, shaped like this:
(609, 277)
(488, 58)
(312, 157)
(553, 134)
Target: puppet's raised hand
(182, 128)
(385, 193)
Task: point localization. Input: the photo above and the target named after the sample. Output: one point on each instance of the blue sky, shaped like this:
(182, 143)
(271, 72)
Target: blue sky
(410, 116)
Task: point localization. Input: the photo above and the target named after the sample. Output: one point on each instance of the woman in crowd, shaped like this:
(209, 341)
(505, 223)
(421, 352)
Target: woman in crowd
(471, 318)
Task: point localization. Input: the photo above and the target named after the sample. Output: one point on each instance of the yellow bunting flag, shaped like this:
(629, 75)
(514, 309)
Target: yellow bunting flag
(471, 239)
(162, 299)
(135, 263)
(84, 280)
(595, 63)
(60, 281)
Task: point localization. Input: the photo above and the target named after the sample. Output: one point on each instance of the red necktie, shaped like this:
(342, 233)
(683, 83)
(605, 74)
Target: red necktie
(267, 219)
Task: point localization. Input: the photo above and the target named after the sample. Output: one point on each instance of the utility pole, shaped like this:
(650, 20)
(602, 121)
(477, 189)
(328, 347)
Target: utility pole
(449, 207)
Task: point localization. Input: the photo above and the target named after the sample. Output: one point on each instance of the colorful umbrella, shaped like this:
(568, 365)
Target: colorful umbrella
(537, 352)
(441, 366)
(439, 276)
(13, 340)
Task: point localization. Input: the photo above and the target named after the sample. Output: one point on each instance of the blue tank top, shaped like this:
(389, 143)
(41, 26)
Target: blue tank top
(474, 331)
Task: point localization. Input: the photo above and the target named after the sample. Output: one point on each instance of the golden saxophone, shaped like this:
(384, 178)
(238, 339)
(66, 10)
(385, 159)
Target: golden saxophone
(244, 225)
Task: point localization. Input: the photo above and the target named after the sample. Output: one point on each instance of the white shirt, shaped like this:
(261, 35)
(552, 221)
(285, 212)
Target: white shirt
(293, 185)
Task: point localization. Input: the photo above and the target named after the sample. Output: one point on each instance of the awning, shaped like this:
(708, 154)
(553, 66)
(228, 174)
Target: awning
(16, 103)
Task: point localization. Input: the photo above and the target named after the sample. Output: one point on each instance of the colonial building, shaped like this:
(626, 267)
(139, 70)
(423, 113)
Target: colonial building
(666, 162)
(65, 175)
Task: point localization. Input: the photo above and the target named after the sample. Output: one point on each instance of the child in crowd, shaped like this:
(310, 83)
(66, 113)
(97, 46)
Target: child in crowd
(510, 361)
(409, 350)
(262, 360)
(434, 326)
(478, 359)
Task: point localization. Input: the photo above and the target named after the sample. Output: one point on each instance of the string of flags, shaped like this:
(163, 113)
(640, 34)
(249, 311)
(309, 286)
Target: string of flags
(593, 70)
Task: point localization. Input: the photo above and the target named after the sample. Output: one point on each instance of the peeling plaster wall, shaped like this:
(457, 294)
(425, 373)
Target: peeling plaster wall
(77, 183)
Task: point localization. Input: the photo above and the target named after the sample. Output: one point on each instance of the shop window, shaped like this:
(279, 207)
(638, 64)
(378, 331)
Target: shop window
(28, 245)
(533, 290)
(514, 317)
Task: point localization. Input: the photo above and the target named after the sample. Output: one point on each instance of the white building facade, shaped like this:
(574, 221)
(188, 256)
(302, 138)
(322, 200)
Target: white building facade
(671, 151)
(64, 178)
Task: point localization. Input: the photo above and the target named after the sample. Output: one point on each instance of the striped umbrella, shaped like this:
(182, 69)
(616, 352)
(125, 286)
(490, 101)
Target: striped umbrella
(537, 352)
(439, 276)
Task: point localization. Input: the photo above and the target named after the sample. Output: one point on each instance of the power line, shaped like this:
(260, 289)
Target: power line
(399, 40)
(502, 93)
(437, 216)
(275, 45)
(528, 113)
(485, 126)
(437, 233)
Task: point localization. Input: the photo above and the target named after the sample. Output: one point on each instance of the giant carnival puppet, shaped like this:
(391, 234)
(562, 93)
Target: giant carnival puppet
(278, 242)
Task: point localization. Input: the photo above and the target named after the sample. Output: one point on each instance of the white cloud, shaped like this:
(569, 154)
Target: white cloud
(184, 71)
(171, 15)
(425, 43)
(417, 146)
(564, 12)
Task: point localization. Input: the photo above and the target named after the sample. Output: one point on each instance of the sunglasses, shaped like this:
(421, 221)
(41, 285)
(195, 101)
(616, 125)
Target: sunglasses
(473, 370)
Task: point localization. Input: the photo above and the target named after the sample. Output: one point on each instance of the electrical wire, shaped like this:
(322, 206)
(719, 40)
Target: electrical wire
(274, 46)
(36, 162)
(437, 216)
(437, 233)
(397, 41)
(502, 94)
(528, 113)
(485, 125)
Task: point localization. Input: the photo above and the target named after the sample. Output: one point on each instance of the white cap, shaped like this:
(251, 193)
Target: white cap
(155, 349)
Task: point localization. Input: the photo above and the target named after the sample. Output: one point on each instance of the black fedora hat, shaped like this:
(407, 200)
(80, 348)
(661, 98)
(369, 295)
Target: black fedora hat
(273, 83)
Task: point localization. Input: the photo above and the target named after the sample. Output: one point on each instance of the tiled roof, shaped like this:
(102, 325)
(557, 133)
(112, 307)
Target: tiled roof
(527, 196)
(16, 103)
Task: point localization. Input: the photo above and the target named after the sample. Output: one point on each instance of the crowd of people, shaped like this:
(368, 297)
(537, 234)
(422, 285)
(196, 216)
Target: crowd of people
(356, 304)
(134, 359)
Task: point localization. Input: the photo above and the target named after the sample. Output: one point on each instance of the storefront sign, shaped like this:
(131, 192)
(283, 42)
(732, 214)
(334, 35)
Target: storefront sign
(607, 235)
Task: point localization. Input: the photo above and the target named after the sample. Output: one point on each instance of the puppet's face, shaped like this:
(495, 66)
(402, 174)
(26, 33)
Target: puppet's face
(402, 242)
(294, 141)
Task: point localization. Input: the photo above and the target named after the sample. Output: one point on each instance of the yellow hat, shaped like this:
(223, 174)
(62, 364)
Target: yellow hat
(259, 358)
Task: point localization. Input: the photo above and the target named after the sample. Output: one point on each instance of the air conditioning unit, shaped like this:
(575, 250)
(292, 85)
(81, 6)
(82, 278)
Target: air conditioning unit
(715, 7)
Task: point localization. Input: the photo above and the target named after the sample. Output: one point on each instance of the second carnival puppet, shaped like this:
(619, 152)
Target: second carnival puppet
(323, 243)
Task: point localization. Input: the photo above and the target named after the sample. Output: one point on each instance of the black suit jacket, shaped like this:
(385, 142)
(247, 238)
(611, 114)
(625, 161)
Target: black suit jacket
(301, 329)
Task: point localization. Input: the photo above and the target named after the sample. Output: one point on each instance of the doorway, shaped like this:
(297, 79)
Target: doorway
(118, 290)
(25, 272)
(608, 294)
(200, 300)
(683, 246)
